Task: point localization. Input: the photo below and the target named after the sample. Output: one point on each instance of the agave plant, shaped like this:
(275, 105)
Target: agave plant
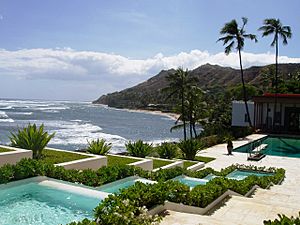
(138, 148)
(189, 148)
(167, 150)
(31, 137)
(98, 147)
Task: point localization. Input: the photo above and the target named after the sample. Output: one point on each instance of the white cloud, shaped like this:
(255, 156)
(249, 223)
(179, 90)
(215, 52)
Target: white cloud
(68, 64)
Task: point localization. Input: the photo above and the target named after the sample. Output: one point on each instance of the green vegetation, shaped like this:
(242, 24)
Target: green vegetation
(98, 147)
(167, 150)
(114, 160)
(284, 220)
(54, 157)
(33, 138)
(187, 164)
(189, 148)
(140, 197)
(157, 163)
(138, 148)
(5, 150)
(204, 159)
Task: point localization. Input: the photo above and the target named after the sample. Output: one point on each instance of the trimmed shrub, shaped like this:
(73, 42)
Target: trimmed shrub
(284, 220)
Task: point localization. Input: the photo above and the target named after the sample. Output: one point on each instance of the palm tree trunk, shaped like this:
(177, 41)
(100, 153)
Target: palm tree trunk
(182, 112)
(244, 89)
(194, 129)
(276, 82)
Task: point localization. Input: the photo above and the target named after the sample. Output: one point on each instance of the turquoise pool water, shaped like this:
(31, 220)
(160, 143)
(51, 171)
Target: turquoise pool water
(117, 186)
(242, 174)
(34, 204)
(277, 146)
(190, 181)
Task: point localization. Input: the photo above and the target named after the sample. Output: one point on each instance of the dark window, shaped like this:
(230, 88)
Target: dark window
(246, 118)
(277, 117)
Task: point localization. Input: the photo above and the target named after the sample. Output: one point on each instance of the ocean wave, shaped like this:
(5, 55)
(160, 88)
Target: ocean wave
(159, 141)
(76, 133)
(4, 118)
(21, 113)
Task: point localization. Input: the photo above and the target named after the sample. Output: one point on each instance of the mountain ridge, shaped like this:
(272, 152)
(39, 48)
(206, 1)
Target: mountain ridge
(209, 76)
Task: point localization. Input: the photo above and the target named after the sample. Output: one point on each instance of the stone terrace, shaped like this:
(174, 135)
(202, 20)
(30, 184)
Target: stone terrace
(263, 205)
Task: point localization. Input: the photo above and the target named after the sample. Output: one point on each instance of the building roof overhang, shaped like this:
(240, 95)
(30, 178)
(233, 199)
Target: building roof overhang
(281, 98)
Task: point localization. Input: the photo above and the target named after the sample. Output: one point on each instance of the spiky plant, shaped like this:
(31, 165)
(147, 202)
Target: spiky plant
(167, 150)
(98, 147)
(32, 138)
(189, 148)
(138, 148)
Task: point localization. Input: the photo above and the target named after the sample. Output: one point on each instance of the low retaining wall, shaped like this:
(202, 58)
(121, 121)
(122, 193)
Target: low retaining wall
(14, 156)
(145, 164)
(196, 166)
(179, 207)
(171, 165)
(94, 162)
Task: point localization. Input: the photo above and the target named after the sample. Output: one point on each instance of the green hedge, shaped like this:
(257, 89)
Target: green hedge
(131, 205)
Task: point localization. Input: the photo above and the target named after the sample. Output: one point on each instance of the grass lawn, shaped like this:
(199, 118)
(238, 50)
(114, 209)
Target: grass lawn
(54, 157)
(187, 164)
(116, 160)
(204, 159)
(5, 150)
(157, 163)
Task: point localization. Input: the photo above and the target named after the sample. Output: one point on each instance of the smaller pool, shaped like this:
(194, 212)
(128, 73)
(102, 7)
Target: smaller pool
(115, 187)
(242, 174)
(190, 181)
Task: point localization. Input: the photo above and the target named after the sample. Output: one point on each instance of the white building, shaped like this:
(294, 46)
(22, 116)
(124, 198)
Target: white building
(239, 114)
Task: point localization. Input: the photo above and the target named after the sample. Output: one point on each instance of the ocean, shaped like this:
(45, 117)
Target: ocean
(76, 122)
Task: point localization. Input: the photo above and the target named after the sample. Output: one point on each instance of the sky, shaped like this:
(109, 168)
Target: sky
(79, 50)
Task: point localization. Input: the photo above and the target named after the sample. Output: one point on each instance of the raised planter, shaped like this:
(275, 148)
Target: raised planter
(145, 164)
(94, 162)
(14, 156)
(179, 207)
(196, 166)
(171, 165)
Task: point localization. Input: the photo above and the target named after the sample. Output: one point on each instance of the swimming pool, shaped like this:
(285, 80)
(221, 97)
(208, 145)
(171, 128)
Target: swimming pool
(115, 187)
(34, 202)
(276, 146)
(242, 174)
(190, 181)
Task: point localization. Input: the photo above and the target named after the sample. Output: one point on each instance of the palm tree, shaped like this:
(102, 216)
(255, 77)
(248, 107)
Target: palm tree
(236, 36)
(274, 26)
(179, 82)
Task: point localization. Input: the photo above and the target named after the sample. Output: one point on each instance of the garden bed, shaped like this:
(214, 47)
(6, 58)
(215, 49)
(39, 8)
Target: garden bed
(55, 157)
(5, 150)
(113, 160)
(157, 163)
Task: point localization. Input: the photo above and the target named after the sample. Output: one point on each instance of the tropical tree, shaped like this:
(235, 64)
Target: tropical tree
(274, 27)
(32, 138)
(235, 37)
(179, 83)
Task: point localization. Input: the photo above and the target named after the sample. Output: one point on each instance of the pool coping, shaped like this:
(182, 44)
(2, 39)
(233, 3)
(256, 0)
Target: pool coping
(59, 185)
(122, 180)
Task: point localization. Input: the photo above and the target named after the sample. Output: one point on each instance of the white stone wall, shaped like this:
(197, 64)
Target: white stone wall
(239, 111)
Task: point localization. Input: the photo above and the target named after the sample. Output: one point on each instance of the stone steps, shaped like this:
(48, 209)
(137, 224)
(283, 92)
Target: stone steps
(241, 209)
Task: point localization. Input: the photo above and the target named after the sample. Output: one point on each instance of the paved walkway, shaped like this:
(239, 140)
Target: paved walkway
(264, 204)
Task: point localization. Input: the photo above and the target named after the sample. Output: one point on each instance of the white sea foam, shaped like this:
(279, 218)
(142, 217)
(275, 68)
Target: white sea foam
(77, 133)
(159, 141)
(4, 118)
(21, 113)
